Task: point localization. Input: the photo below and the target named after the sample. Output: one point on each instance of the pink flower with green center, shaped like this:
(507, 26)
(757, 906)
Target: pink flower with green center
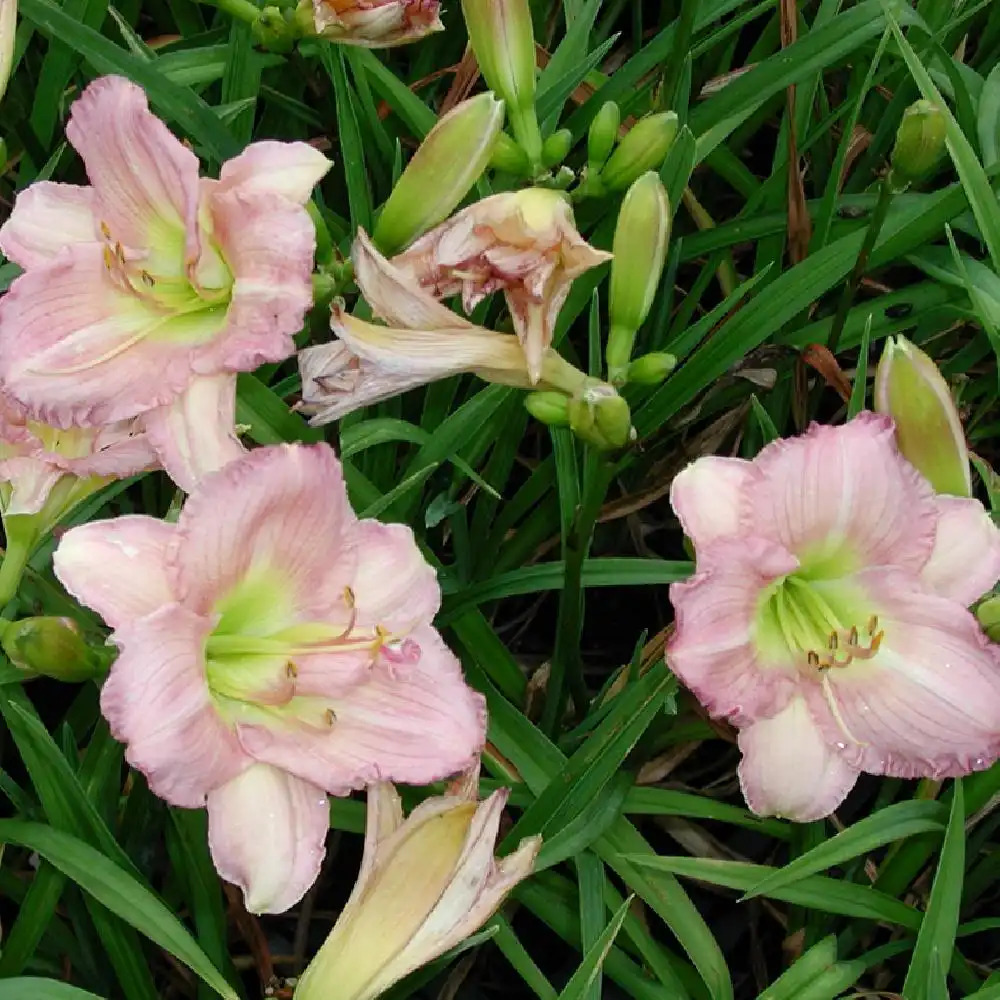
(828, 616)
(273, 648)
(153, 283)
(375, 24)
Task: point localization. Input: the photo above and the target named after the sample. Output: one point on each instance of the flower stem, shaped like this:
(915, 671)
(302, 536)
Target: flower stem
(566, 672)
(885, 194)
(244, 10)
(15, 560)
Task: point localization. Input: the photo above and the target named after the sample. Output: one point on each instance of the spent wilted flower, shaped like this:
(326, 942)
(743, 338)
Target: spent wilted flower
(522, 243)
(151, 279)
(273, 648)
(375, 24)
(828, 616)
(426, 883)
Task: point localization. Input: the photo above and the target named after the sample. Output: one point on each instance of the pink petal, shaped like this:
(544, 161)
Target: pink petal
(280, 510)
(145, 179)
(31, 479)
(117, 567)
(196, 434)
(965, 560)
(76, 348)
(394, 585)
(414, 722)
(157, 701)
(268, 243)
(290, 169)
(928, 703)
(713, 649)
(47, 217)
(267, 833)
(789, 770)
(118, 450)
(843, 493)
(707, 495)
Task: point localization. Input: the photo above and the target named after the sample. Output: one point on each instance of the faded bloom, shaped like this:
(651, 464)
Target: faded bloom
(426, 883)
(425, 341)
(375, 24)
(273, 648)
(828, 616)
(152, 279)
(910, 389)
(524, 244)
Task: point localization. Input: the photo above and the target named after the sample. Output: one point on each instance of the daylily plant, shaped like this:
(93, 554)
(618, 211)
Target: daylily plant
(828, 616)
(426, 883)
(273, 648)
(152, 283)
(376, 24)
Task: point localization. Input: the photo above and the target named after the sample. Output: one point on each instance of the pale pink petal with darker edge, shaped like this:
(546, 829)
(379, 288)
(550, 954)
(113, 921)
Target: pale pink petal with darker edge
(788, 768)
(706, 497)
(47, 217)
(196, 434)
(291, 169)
(117, 567)
(157, 702)
(413, 722)
(713, 649)
(965, 561)
(837, 489)
(282, 509)
(267, 834)
(928, 704)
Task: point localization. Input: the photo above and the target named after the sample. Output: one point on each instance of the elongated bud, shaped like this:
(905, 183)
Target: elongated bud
(509, 157)
(644, 148)
(651, 369)
(599, 416)
(8, 28)
(449, 161)
(550, 408)
(502, 37)
(920, 141)
(988, 614)
(557, 147)
(603, 135)
(640, 248)
(910, 389)
(52, 647)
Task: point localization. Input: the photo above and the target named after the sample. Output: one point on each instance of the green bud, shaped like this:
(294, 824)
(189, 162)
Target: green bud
(910, 389)
(920, 141)
(651, 369)
(644, 148)
(557, 147)
(988, 614)
(276, 30)
(509, 157)
(640, 248)
(502, 37)
(599, 416)
(449, 161)
(550, 408)
(52, 647)
(603, 135)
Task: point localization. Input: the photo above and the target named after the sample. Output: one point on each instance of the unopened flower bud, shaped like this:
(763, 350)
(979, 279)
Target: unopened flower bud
(52, 647)
(640, 248)
(651, 369)
(910, 389)
(599, 416)
(449, 161)
(509, 157)
(603, 135)
(988, 614)
(644, 148)
(550, 408)
(920, 141)
(557, 147)
(502, 37)
(8, 29)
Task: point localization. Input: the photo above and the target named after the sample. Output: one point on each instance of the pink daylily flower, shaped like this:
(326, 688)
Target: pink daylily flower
(273, 648)
(828, 616)
(376, 24)
(151, 279)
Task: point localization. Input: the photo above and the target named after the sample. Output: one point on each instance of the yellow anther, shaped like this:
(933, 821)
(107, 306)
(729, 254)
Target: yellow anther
(147, 279)
(291, 670)
(105, 230)
(109, 259)
(349, 599)
(331, 717)
(833, 641)
(873, 625)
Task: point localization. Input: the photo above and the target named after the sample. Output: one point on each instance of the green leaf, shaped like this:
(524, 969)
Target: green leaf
(31, 988)
(116, 889)
(804, 971)
(859, 390)
(590, 968)
(895, 822)
(926, 976)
